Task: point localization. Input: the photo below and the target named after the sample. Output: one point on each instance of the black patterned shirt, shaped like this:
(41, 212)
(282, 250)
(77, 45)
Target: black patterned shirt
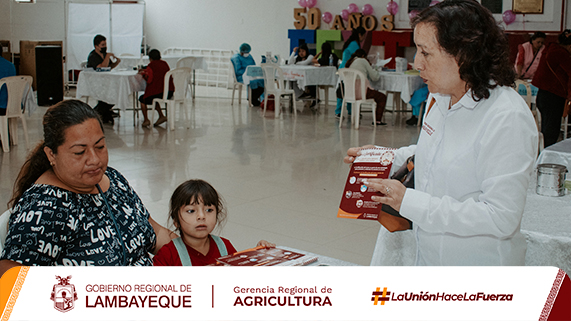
(53, 226)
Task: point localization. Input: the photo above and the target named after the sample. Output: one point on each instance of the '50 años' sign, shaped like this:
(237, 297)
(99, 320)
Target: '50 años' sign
(312, 20)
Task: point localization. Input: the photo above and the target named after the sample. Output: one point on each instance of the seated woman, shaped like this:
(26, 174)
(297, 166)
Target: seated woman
(154, 74)
(528, 56)
(326, 57)
(303, 57)
(80, 206)
(241, 61)
(359, 62)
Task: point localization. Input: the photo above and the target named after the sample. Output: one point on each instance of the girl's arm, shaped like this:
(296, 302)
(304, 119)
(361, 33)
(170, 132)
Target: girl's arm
(307, 61)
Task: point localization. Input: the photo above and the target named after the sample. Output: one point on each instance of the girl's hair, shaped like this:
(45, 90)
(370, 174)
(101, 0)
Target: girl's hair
(154, 54)
(354, 37)
(565, 37)
(360, 53)
(325, 49)
(57, 120)
(467, 31)
(536, 35)
(304, 47)
(192, 192)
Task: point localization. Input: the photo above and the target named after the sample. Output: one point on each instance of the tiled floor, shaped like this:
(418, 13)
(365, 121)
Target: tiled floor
(282, 179)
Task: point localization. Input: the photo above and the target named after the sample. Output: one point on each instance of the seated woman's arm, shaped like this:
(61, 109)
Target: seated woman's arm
(164, 235)
(5, 265)
(307, 61)
(291, 59)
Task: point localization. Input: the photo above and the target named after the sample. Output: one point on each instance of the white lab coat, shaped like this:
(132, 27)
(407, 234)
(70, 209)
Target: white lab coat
(473, 165)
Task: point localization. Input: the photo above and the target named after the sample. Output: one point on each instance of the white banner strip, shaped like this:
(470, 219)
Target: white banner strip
(285, 293)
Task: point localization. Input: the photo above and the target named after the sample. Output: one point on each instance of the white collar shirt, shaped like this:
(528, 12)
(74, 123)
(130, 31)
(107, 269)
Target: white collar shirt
(473, 165)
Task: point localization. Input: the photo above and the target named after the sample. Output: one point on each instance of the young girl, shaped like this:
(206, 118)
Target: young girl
(196, 209)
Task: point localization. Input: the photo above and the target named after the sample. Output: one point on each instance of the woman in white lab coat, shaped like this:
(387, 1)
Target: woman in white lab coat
(476, 149)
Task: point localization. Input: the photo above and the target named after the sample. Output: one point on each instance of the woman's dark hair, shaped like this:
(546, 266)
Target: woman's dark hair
(360, 53)
(468, 31)
(193, 192)
(57, 120)
(154, 54)
(354, 37)
(536, 35)
(304, 47)
(565, 37)
(325, 49)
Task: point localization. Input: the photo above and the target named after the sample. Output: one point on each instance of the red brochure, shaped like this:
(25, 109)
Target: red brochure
(356, 202)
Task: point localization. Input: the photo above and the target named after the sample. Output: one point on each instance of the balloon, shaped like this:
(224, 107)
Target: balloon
(432, 3)
(412, 14)
(345, 14)
(508, 17)
(327, 17)
(393, 7)
(367, 10)
(302, 3)
(311, 3)
(353, 8)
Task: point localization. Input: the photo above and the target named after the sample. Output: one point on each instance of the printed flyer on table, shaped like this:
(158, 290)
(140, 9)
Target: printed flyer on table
(285, 293)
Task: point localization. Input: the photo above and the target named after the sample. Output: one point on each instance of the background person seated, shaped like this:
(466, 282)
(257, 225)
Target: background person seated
(241, 61)
(154, 74)
(359, 62)
(7, 69)
(100, 58)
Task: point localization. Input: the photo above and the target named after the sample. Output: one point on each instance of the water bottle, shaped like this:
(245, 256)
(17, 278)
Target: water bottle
(331, 60)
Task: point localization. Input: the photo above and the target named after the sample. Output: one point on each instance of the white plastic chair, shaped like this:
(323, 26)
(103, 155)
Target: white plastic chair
(355, 83)
(16, 87)
(236, 85)
(180, 78)
(4, 219)
(275, 84)
(534, 111)
(188, 62)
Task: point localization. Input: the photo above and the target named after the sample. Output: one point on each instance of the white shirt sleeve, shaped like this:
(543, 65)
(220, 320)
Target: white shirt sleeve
(307, 61)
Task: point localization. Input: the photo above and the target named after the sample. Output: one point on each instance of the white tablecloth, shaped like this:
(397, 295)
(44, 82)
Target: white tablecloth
(130, 62)
(321, 259)
(398, 82)
(559, 153)
(113, 87)
(304, 75)
(546, 225)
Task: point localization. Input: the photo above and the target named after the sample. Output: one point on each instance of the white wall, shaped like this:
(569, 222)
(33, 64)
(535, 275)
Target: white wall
(221, 24)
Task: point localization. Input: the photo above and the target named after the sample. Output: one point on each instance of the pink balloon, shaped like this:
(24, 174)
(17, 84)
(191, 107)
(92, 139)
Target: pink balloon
(353, 8)
(433, 3)
(302, 3)
(508, 17)
(311, 3)
(345, 14)
(367, 10)
(412, 14)
(393, 7)
(327, 17)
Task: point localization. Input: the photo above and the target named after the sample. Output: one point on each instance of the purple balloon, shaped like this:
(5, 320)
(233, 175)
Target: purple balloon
(433, 3)
(367, 10)
(508, 17)
(393, 7)
(345, 14)
(327, 17)
(353, 8)
(302, 3)
(412, 14)
(311, 3)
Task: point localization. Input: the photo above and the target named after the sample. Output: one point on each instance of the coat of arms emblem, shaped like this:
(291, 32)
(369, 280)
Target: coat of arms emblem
(63, 294)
